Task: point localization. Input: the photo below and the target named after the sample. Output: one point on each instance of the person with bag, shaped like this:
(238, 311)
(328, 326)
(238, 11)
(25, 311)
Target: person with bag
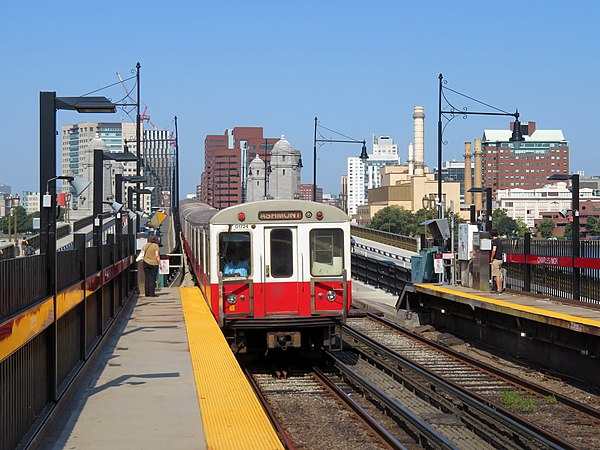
(151, 261)
(496, 257)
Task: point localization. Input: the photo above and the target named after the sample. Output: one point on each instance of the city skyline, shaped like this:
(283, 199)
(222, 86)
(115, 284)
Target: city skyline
(360, 68)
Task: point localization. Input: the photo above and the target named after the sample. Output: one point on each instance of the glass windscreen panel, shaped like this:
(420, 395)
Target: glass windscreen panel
(282, 253)
(234, 254)
(326, 252)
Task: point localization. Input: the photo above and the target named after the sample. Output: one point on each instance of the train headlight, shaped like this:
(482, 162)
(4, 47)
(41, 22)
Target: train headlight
(331, 296)
(231, 298)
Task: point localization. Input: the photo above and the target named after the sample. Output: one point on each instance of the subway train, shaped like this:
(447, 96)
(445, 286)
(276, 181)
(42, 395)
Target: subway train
(275, 273)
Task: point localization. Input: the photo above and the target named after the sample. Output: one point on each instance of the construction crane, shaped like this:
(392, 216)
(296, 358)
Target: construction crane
(144, 117)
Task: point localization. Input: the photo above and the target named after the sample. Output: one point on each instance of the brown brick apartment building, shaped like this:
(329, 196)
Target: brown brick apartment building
(226, 158)
(543, 153)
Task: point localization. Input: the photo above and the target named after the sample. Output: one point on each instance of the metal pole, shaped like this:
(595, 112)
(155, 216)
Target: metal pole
(175, 206)
(138, 139)
(488, 209)
(439, 149)
(266, 168)
(452, 261)
(48, 216)
(48, 171)
(315, 163)
(118, 221)
(575, 235)
(97, 201)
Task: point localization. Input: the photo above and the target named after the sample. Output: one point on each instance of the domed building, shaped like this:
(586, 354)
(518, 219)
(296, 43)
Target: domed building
(255, 182)
(283, 174)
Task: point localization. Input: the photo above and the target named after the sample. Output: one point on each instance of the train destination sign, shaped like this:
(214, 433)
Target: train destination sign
(280, 215)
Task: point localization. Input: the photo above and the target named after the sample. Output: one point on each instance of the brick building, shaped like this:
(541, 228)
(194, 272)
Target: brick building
(226, 160)
(543, 153)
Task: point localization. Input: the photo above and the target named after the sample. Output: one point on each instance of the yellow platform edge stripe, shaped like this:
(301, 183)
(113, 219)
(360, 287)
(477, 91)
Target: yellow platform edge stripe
(511, 305)
(232, 416)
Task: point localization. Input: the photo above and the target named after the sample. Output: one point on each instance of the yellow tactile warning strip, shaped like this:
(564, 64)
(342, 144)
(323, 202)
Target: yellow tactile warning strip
(512, 305)
(233, 417)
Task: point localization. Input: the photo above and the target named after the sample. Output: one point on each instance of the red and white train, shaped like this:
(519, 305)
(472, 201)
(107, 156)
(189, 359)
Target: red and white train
(292, 289)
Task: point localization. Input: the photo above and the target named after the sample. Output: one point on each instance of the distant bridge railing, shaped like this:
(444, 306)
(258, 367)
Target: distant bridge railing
(382, 274)
(383, 237)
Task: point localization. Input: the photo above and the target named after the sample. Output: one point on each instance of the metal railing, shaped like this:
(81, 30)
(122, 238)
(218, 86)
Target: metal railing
(383, 237)
(385, 275)
(546, 267)
(46, 337)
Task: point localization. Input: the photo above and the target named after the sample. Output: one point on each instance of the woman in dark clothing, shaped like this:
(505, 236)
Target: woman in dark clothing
(151, 262)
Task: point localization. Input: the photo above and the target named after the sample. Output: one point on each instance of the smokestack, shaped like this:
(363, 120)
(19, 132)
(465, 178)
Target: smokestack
(419, 148)
(468, 175)
(477, 182)
(411, 159)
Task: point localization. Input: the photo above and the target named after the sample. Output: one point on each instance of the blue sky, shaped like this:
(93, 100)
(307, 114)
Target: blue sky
(360, 66)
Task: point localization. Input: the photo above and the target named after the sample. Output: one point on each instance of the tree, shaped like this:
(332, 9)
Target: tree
(568, 230)
(545, 227)
(506, 226)
(592, 226)
(393, 219)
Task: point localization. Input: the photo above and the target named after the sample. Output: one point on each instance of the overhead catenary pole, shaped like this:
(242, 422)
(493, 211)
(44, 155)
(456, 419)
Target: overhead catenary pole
(138, 137)
(315, 163)
(516, 138)
(176, 182)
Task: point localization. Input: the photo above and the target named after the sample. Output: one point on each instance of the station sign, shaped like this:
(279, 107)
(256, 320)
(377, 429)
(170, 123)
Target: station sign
(280, 215)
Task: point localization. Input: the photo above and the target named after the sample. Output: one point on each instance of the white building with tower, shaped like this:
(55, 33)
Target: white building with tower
(366, 175)
(282, 174)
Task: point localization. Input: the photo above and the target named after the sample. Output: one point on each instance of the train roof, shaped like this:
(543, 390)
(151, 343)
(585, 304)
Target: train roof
(280, 211)
(195, 212)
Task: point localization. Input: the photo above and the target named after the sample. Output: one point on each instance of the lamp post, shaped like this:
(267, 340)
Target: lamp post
(267, 168)
(575, 229)
(175, 195)
(516, 138)
(101, 154)
(488, 206)
(363, 155)
(49, 104)
(13, 203)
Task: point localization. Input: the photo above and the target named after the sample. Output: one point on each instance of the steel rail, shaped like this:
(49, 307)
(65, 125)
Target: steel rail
(513, 422)
(283, 436)
(421, 428)
(508, 377)
(369, 420)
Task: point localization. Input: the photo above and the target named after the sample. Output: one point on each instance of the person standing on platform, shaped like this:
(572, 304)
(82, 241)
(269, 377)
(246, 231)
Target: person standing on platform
(496, 260)
(151, 262)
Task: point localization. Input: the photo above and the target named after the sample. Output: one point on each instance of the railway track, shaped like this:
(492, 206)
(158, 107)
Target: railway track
(532, 406)
(309, 413)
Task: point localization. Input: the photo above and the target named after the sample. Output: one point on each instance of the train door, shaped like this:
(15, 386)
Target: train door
(281, 271)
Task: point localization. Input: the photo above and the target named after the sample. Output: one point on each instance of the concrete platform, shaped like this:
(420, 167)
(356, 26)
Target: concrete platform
(141, 393)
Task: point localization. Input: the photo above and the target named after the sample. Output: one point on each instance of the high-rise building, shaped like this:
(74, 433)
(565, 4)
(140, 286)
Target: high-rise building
(227, 158)
(455, 171)
(77, 137)
(306, 192)
(543, 153)
(366, 175)
(30, 201)
(157, 165)
(156, 155)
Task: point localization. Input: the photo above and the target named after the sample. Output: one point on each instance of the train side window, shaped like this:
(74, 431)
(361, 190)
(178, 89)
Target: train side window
(326, 252)
(234, 254)
(282, 253)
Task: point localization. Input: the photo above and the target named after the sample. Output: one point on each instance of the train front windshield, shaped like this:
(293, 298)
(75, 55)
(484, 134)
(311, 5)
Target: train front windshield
(326, 252)
(234, 251)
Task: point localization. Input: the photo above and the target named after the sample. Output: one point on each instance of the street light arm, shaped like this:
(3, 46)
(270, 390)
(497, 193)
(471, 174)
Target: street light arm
(338, 140)
(480, 113)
